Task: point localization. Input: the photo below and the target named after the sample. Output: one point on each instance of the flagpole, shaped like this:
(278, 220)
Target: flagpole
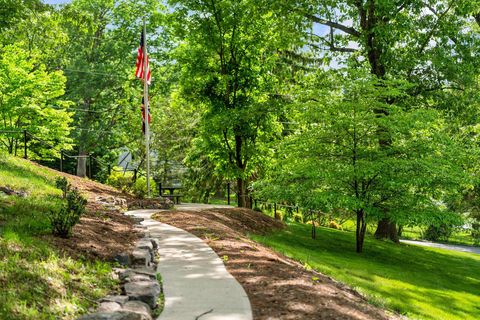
(146, 104)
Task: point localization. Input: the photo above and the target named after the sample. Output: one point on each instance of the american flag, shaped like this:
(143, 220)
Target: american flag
(139, 72)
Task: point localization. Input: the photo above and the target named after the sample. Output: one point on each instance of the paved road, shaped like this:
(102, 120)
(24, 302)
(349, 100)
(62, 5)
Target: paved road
(195, 282)
(443, 246)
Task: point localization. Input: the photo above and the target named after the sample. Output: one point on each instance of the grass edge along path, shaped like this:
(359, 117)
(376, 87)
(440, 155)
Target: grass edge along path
(419, 282)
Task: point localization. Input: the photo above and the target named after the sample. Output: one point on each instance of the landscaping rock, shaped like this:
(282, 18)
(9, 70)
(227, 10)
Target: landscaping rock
(137, 277)
(159, 203)
(109, 306)
(123, 259)
(11, 192)
(146, 291)
(141, 257)
(117, 315)
(136, 219)
(129, 274)
(118, 299)
(111, 203)
(121, 202)
(138, 307)
(147, 271)
(145, 243)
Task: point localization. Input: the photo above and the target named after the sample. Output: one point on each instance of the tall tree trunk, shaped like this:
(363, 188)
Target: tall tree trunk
(242, 197)
(82, 164)
(387, 229)
(361, 229)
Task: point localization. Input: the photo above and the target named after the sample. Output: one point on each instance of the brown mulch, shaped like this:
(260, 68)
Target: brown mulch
(101, 233)
(278, 287)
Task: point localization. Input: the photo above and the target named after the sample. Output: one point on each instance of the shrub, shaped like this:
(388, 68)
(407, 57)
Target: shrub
(125, 182)
(334, 225)
(120, 180)
(64, 219)
(139, 188)
(62, 184)
(435, 233)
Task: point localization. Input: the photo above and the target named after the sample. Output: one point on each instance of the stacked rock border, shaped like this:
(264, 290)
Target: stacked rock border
(140, 286)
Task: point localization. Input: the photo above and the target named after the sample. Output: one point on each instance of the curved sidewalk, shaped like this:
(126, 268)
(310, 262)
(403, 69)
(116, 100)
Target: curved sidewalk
(453, 247)
(196, 284)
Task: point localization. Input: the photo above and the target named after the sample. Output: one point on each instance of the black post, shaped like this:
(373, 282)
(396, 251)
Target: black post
(228, 193)
(109, 169)
(25, 144)
(90, 166)
(61, 160)
(297, 209)
(134, 175)
(275, 210)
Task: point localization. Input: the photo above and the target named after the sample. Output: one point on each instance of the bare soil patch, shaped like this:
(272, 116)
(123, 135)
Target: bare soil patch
(278, 287)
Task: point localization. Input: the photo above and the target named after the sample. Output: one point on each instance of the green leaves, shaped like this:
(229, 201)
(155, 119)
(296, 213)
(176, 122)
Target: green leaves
(30, 100)
(336, 159)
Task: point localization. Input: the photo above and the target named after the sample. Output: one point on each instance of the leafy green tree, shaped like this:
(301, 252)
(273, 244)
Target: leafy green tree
(31, 99)
(228, 53)
(333, 159)
(423, 42)
(100, 64)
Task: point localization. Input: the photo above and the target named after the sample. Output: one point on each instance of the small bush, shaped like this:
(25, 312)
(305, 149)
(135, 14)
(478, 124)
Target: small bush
(334, 225)
(126, 183)
(139, 188)
(435, 233)
(120, 180)
(62, 184)
(63, 220)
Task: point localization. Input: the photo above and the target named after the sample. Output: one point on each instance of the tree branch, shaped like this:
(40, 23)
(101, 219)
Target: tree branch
(350, 30)
(332, 48)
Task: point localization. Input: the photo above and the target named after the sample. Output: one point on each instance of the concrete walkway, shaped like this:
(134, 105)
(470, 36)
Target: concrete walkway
(443, 246)
(195, 282)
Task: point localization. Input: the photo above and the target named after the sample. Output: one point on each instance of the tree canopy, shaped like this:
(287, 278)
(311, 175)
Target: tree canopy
(363, 107)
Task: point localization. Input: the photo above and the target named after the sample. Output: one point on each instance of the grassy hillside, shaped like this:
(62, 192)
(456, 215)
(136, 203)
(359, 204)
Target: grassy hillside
(420, 282)
(36, 280)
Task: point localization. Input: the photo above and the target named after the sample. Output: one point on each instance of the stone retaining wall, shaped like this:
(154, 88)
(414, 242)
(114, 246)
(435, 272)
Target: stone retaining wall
(140, 286)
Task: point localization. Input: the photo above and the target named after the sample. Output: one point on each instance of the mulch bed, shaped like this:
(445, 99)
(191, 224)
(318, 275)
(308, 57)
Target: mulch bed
(278, 287)
(101, 233)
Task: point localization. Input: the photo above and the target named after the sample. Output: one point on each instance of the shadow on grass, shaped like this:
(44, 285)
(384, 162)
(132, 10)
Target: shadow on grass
(278, 288)
(424, 282)
(39, 284)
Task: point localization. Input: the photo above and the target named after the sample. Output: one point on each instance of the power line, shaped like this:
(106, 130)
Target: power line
(97, 73)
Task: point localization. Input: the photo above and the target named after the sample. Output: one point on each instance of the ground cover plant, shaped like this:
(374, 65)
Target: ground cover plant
(419, 282)
(37, 281)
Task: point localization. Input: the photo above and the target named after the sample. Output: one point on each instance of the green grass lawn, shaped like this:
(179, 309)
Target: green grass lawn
(36, 281)
(422, 283)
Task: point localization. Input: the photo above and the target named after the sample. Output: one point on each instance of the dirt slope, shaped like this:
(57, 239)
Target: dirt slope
(278, 287)
(101, 233)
